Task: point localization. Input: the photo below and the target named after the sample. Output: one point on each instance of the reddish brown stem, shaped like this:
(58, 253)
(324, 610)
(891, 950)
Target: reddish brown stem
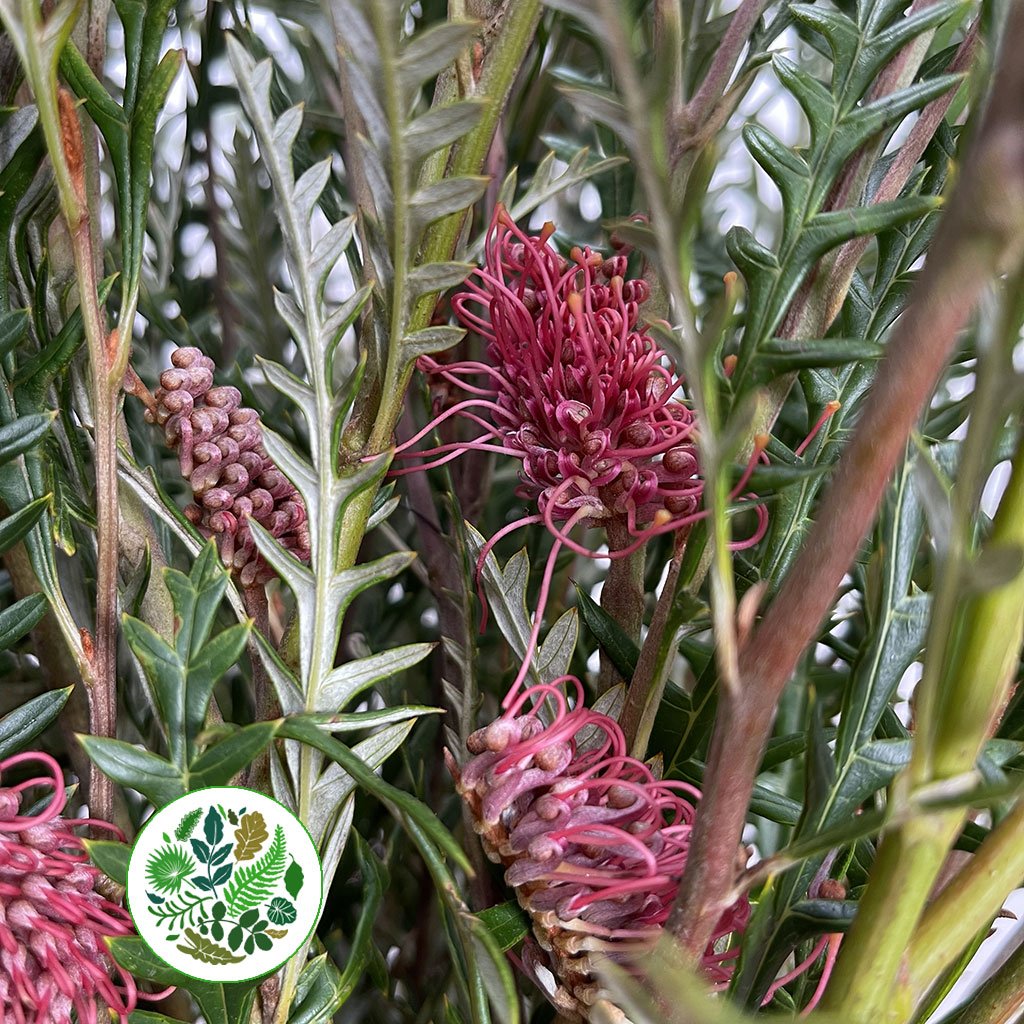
(983, 228)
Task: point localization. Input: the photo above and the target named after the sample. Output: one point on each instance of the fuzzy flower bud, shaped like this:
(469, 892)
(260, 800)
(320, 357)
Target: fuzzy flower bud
(219, 443)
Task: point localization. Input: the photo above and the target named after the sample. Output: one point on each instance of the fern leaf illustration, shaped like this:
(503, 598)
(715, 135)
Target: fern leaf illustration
(254, 883)
(188, 824)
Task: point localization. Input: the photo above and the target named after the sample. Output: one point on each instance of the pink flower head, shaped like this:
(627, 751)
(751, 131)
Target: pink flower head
(578, 390)
(53, 961)
(575, 387)
(592, 842)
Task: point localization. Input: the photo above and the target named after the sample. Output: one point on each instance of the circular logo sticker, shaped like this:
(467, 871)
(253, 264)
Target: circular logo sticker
(224, 884)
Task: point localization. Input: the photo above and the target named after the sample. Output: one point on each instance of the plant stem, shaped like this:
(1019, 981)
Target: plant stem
(1001, 998)
(622, 596)
(107, 357)
(648, 683)
(967, 905)
(980, 233)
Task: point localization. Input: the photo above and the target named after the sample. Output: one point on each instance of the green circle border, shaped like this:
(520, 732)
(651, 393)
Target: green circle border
(238, 789)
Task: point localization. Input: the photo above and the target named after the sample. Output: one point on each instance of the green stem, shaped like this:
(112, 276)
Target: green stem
(1001, 999)
(966, 905)
(440, 243)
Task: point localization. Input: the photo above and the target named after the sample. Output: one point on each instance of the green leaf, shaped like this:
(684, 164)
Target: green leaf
(450, 195)
(24, 433)
(18, 728)
(349, 680)
(785, 355)
(431, 51)
(152, 776)
(441, 126)
(220, 1004)
(111, 858)
(622, 652)
(507, 923)
(437, 277)
(13, 328)
(183, 676)
(17, 620)
(320, 991)
(217, 765)
(15, 527)
(253, 884)
(293, 879)
(409, 810)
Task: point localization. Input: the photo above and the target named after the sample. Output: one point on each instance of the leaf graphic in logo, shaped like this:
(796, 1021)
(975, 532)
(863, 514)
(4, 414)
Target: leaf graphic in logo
(253, 884)
(277, 933)
(168, 867)
(187, 825)
(281, 911)
(213, 827)
(251, 834)
(293, 879)
(207, 951)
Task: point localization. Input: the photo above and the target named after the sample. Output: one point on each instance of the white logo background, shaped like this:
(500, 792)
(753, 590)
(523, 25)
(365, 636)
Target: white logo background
(224, 884)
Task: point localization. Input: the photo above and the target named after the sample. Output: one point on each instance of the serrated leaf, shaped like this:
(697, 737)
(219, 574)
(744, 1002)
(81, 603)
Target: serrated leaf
(254, 884)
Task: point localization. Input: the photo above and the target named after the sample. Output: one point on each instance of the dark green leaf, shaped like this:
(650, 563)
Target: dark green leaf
(221, 762)
(17, 620)
(21, 726)
(15, 526)
(507, 922)
(110, 858)
(18, 437)
(152, 776)
(622, 652)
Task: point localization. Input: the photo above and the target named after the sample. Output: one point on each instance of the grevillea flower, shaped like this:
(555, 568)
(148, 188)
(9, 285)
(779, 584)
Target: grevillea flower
(220, 451)
(53, 919)
(592, 842)
(578, 390)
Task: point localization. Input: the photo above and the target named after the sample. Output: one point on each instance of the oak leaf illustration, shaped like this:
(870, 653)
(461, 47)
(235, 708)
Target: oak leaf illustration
(251, 834)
